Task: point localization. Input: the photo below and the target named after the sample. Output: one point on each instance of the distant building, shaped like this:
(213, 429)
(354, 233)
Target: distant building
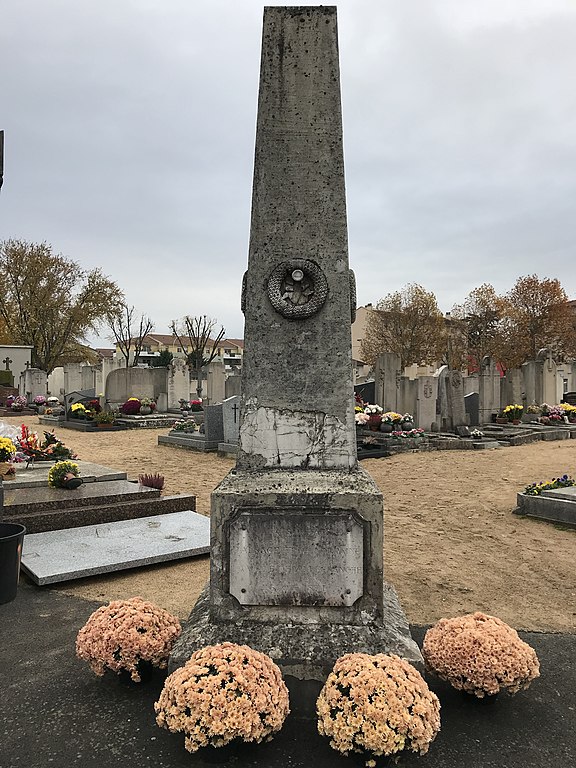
(229, 351)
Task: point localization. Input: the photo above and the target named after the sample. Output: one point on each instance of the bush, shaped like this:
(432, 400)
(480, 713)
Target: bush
(131, 407)
(379, 705)
(224, 692)
(124, 633)
(480, 654)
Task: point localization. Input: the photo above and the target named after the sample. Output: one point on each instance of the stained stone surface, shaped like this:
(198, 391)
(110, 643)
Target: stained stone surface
(296, 566)
(79, 552)
(306, 651)
(297, 407)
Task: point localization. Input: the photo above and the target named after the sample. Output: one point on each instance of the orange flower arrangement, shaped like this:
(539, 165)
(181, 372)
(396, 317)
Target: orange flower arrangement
(223, 692)
(480, 654)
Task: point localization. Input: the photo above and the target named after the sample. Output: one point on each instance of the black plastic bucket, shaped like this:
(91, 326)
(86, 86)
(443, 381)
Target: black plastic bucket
(11, 539)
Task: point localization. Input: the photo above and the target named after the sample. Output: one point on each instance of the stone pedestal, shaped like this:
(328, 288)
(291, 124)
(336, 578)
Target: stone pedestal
(296, 571)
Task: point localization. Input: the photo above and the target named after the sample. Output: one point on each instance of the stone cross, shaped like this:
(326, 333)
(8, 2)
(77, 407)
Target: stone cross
(7, 360)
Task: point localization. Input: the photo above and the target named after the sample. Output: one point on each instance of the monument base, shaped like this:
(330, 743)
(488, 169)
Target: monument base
(306, 652)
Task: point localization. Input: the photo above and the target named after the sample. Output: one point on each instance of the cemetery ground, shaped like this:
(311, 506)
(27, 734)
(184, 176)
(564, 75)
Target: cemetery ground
(451, 543)
(451, 546)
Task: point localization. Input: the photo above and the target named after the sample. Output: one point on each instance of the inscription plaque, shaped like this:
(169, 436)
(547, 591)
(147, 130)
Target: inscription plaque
(296, 557)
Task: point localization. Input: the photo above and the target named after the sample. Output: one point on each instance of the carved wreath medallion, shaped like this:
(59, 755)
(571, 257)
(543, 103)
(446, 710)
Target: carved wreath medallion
(297, 289)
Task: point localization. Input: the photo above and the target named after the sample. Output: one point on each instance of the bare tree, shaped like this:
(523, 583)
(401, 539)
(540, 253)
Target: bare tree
(129, 332)
(194, 335)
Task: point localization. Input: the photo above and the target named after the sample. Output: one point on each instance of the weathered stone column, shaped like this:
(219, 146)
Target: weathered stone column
(297, 527)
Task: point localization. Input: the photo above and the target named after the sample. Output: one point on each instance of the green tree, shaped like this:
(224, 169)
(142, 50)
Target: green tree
(163, 360)
(406, 322)
(49, 302)
(194, 335)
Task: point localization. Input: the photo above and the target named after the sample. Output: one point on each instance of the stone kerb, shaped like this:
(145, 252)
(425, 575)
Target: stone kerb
(558, 506)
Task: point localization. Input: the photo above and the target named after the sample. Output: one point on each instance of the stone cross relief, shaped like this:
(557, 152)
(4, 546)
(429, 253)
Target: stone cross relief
(235, 410)
(7, 361)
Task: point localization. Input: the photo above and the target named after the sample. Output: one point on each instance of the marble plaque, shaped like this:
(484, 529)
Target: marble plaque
(296, 557)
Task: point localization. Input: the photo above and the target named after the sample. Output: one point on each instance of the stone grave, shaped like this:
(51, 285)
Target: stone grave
(75, 553)
(208, 440)
(230, 426)
(296, 567)
(557, 506)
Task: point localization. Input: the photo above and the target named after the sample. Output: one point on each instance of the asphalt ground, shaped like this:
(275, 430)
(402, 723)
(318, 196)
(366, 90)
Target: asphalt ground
(55, 712)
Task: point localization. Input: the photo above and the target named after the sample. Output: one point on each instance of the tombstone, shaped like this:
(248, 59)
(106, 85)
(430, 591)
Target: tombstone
(407, 402)
(387, 374)
(135, 382)
(472, 408)
(35, 383)
(540, 380)
(178, 382)
(77, 397)
(88, 375)
(162, 403)
(213, 425)
(450, 411)
(512, 388)
(73, 377)
(231, 419)
(215, 382)
(427, 392)
(232, 386)
(488, 389)
(296, 562)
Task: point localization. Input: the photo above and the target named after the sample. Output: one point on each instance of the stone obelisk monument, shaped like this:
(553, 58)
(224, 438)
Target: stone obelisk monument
(297, 526)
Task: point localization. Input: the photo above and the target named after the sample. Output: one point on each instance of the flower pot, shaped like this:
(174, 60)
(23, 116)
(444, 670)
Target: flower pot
(145, 410)
(11, 540)
(6, 470)
(41, 410)
(500, 420)
(407, 426)
(374, 421)
(145, 670)
(516, 421)
(384, 427)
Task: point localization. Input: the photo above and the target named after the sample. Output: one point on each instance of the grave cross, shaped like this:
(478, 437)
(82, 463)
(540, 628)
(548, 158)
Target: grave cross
(27, 365)
(7, 361)
(235, 409)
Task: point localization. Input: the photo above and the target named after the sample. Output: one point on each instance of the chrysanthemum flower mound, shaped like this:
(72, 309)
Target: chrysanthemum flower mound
(223, 692)
(377, 704)
(480, 654)
(119, 635)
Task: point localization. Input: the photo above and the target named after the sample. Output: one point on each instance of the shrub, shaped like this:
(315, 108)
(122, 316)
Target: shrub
(152, 481)
(131, 407)
(377, 704)
(120, 635)
(480, 654)
(224, 692)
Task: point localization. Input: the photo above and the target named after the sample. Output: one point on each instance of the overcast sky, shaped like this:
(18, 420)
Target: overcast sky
(129, 141)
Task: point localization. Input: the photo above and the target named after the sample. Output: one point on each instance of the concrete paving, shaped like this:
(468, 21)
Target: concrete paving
(55, 712)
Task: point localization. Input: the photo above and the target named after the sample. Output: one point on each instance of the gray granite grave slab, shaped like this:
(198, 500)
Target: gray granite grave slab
(36, 475)
(75, 553)
(192, 441)
(557, 506)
